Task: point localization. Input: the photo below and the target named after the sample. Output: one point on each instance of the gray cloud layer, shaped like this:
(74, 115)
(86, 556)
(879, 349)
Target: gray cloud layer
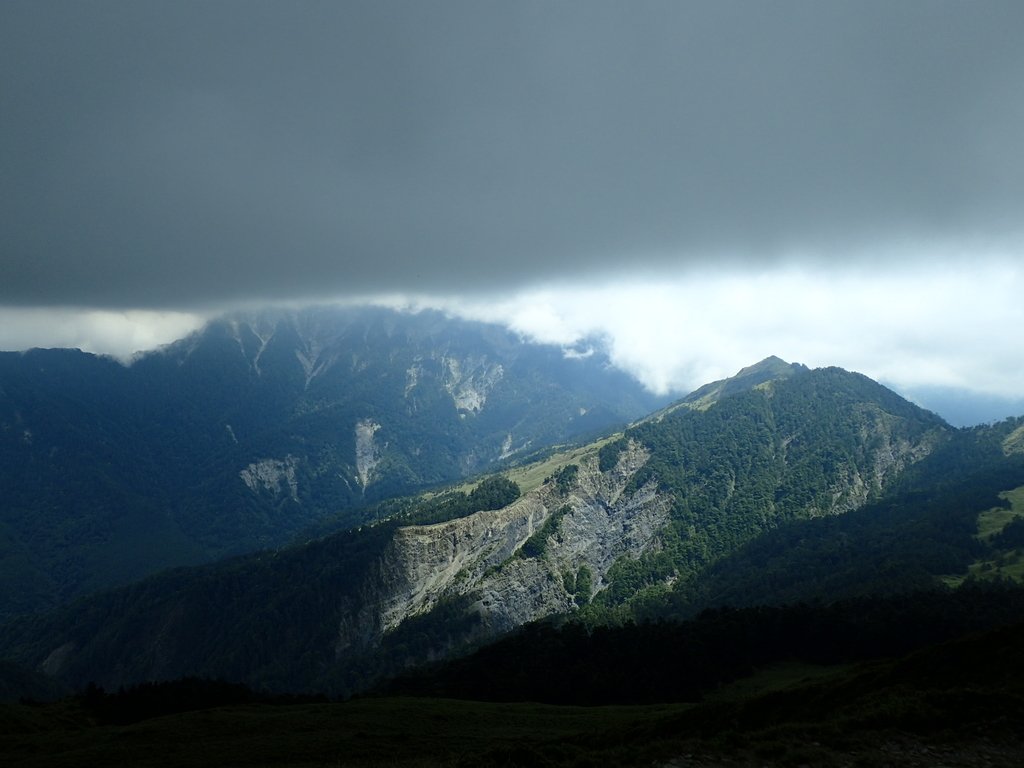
(181, 154)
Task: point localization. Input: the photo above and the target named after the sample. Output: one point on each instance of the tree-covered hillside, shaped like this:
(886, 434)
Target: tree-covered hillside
(672, 661)
(809, 444)
(923, 534)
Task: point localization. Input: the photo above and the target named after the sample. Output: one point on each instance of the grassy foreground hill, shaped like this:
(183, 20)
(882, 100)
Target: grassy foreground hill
(959, 704)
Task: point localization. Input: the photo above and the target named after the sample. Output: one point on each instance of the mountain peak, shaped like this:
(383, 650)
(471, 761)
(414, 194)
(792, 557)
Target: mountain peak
(772, 368)
(771, 365)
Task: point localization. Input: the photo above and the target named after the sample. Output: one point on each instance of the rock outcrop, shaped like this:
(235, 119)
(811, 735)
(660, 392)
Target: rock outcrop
(368, 453)
(273, 476)
(482, 556)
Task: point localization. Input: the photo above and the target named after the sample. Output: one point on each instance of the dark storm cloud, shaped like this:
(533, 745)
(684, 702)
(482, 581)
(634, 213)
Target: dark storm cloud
(168, 154)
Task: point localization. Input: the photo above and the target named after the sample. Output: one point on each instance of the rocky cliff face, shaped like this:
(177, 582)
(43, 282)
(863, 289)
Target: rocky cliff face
(275, 476)
(368, 453)
(553, 550)
(603, 522)
(888, 451)
(586, 524)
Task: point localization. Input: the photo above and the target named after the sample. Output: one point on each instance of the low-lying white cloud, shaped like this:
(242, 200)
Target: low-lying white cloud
(105, 332)
(955, 327)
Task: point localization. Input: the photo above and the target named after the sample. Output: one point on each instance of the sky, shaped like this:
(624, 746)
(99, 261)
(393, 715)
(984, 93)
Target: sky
(697, 184)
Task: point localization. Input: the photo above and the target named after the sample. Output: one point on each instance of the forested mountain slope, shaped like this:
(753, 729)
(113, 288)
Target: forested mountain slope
(260, 425)
(954, 516)
(897, 574)
(615, 533)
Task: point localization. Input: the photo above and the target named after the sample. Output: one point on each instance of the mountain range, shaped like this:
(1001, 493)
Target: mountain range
(781, 483)
(287, 506)
(260, 426)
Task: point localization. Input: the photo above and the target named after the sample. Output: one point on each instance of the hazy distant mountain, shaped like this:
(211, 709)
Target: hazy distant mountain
(260, 425)
(632, 526)
(964, 408)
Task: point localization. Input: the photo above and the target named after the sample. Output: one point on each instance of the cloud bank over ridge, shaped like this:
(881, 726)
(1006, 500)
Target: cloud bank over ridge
(703, 184)
(169, 155)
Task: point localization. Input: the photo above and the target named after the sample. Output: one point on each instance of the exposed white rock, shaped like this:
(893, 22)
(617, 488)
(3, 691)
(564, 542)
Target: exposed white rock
(53, 663)
(477, 554)
(891, 454)
(271, 475)
(313, 362)
(594, 534)
(235, 326)
(412, 377)
(264, 334)
(469, 381)
(425, 562)
(368, 453)
(319, 347)
(357, 364)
